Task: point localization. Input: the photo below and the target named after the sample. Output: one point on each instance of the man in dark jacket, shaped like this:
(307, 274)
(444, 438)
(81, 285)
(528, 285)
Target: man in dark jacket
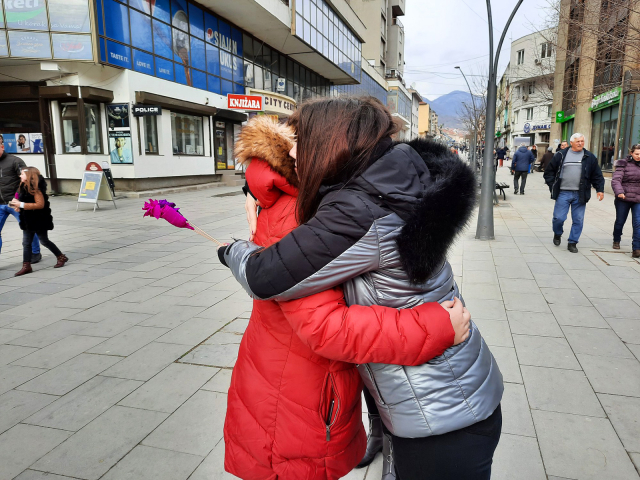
(522, 160)
(570, 176)
(10, 168)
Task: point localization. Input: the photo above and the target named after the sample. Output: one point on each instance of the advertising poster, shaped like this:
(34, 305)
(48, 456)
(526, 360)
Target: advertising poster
(4, 49)
(30, 15)
(9, 142)
(71, 47)
(120, 147)
(22, 143)
(35, 139)
(29, 44)
(118, 114)
(69, 16)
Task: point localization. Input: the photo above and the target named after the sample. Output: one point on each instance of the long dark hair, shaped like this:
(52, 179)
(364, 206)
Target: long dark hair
(336, 138)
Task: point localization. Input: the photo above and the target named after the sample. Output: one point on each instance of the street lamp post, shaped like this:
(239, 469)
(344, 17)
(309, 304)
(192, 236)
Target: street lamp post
(485, 229)
(475, 122)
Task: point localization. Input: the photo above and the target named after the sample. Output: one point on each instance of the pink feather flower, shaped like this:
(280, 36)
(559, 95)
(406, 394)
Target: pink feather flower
(167, 210)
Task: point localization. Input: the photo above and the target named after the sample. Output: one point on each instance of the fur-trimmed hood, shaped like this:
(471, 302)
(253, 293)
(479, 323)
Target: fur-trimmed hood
(435, 202)
(270, 141)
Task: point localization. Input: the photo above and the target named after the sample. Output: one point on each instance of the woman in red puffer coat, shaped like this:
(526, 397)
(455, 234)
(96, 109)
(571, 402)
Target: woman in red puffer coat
(293, 414)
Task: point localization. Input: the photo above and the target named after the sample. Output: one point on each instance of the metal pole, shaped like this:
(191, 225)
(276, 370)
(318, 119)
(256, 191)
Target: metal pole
(485, 228)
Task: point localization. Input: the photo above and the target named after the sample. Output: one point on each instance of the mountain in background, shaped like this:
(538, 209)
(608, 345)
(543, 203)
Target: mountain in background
(449, 106)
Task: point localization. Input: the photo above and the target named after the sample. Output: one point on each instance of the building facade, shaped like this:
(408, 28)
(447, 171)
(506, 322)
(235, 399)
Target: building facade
(424, 120)
(597, 80)
(525, 95)
(74, 70)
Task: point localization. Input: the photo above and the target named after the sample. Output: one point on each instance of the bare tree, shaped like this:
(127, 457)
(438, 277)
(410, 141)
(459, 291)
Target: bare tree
(472, 113)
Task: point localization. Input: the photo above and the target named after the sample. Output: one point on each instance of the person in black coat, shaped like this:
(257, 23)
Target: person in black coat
(35, 217)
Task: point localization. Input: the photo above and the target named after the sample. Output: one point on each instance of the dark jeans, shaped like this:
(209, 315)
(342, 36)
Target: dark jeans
(622, 213)
(569, 199)
(27, 240)
(516, 177)
(464, 454)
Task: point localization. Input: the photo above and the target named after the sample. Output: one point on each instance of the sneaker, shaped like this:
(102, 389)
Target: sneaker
(521, 193)
(572, 248)
(636, 254)
(616, 245)
(515, 192)
(36, 257)
(556, 239)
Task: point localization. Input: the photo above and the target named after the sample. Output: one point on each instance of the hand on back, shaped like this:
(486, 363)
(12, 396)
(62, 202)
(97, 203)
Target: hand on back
(460, 319)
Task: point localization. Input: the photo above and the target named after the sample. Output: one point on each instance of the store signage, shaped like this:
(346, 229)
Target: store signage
(541, 127)
(244, 102)
(281, 86)
(560, 116)
(275, 103)
(146, 110)
(605, 99)
(527, 127)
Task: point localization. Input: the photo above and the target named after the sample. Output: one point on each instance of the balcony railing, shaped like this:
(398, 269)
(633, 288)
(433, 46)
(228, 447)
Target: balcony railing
(396, 21)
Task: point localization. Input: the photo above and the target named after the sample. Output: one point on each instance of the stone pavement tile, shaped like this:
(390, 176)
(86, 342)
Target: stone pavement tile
(213, 355)
(617, 376)
(173, 281)
(50, 334)
(575, 315)
(118, 323)
(19, 298)
(220, 382)
(170, 388)
(9, 334)
(486, 309)
(635, 458)
(142, 294)
(555, 281)
(172, 317)
(495, 332)
(189, 289)
(545, 352)
(59, 352)
(24, 444)
(526, 302)
(46, 288)
(222, 338)
(81, 290)
(558, 390)
(195, 428)
(596, 341)
(132, 285)
(127, 342)
(92, 451)
(193, 331)
(207, 298)
(146, 362)
(580, 447)
(635, 349)
(158, 273)
(546, 269)
(518, 458)
(88, 301)
(35, 475)
(508, 363)
(518, 285)
(69, 375)
(624, 413)
(514, 272)
(97, 314)
(146, 463)
(80, 406)
(6, 319)
(479, 276)
(533, 323)
(9, 353)
(479, 291)
(516, 417)
(152, 306)
(600, 289)
(11, 376)
(565, 296)
(213, 276)
(213, 466)
(614, 308)
(15, 406)
(227, 309)
(470, 265)
(539, 259)
(44, 318)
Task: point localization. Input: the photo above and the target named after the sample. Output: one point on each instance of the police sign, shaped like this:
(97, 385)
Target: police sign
(146, 110)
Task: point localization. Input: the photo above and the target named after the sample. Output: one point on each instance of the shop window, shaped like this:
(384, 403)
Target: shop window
(186, 134)
(150, 124)
(89, 140)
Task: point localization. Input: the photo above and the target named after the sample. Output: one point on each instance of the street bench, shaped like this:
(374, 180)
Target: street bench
(501, 187)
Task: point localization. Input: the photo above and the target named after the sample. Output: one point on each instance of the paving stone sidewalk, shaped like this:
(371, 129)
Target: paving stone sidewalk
(117, 365)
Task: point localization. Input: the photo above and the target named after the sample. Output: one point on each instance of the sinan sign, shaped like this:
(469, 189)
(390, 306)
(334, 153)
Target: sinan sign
(244, 102)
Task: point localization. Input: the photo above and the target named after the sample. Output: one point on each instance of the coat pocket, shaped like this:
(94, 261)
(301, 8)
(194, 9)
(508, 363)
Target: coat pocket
(329, 404)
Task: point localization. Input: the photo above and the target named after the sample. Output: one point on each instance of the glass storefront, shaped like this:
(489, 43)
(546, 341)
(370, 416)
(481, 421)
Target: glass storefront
(186, 134)
(603, 136)
(629, 124)
(368, 86)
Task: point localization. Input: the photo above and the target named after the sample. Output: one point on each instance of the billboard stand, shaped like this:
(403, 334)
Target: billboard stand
(94, 187)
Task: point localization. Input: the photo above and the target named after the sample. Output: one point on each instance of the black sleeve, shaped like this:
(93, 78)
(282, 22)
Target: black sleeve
(597, 179)
(552, 168)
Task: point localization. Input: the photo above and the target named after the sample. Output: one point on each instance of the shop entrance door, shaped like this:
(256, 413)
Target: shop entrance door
(220, 145)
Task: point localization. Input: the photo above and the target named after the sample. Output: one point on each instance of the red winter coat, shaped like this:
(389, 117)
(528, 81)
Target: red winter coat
(294, 409)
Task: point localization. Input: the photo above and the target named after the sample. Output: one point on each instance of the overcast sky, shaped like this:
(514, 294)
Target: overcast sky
(441, 34)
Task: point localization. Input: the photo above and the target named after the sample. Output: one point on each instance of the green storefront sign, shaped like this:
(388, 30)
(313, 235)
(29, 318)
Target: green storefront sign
(606, 99)
(561, 117)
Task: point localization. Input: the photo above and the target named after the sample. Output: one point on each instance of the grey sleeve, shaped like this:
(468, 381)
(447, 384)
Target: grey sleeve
(236, 257)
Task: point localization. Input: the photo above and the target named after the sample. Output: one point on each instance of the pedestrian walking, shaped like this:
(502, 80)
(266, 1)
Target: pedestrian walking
(626, 187)
(501, 154)
(35, 217)
(10, 168)
(294, 405)
(522, 160)
(378, 218)
(546, 159)
(534, 152)
(570, 176)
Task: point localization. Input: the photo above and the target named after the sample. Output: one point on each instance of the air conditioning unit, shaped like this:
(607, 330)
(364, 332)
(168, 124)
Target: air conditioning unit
(538, 61)
(525, 98)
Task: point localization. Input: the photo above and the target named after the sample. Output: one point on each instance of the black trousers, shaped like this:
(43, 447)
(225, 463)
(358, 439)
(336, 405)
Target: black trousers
(516, 177)
(27, 238)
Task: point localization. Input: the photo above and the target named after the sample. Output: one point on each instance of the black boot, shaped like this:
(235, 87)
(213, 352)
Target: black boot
(572, 248)
(374, 441)
(388, 465)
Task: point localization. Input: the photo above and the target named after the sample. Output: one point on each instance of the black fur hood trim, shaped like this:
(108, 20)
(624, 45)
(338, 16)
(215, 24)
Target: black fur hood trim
(440, 214)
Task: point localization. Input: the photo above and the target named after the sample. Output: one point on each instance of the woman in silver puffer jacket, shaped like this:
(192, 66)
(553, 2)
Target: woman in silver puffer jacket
(378, 218)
